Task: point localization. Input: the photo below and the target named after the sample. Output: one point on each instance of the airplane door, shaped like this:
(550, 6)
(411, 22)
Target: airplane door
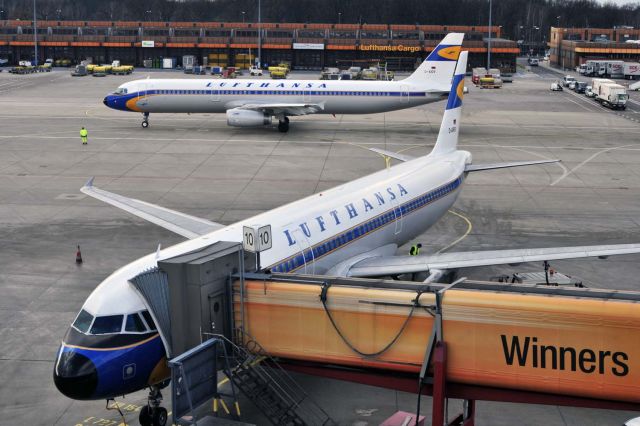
(144, 89)
(304, 247)
(397, 213)
(215, 95)
(404, 93)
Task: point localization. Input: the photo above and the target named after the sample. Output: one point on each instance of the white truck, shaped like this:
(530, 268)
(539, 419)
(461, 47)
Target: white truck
(597, 82)
(254, 70)
(631, 70)
(612, 95)
(614, 69)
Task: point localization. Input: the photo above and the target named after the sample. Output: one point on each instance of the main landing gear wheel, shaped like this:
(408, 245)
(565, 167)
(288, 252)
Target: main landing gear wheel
(145, 120)
(153, 414)
(283, 125)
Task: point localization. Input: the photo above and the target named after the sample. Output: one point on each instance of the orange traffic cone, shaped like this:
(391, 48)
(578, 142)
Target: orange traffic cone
(78, 256)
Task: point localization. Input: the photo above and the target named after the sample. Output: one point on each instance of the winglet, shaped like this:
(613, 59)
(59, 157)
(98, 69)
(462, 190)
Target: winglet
(89, 183)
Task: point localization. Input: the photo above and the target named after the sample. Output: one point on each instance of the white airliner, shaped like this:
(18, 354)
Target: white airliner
(250, 103)
(354, 229)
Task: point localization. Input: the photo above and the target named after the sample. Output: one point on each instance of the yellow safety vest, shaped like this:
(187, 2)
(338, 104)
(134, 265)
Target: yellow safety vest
(83, 132)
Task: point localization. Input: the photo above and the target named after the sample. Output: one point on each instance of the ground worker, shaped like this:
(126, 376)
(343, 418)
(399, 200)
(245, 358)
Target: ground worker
(415, 249)
(83, 135)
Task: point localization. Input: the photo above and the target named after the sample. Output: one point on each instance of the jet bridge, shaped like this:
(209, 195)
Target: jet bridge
(470, 340)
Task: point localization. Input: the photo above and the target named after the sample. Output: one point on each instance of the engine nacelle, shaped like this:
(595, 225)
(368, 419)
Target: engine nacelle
(237, 117)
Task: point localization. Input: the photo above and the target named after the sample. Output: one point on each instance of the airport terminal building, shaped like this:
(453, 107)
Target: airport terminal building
(570, 47)
(304, 46)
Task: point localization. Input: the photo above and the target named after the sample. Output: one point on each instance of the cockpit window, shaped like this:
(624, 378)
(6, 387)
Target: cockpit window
(83, 321)
(107, 324)
(134, 324)
(121, 91)
(149, 320)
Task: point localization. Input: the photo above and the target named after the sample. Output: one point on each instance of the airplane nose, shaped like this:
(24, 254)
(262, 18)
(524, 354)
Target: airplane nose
(75, 375)
(106, 101)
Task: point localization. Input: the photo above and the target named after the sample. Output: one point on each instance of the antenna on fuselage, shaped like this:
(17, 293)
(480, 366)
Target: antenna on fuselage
(158, 251)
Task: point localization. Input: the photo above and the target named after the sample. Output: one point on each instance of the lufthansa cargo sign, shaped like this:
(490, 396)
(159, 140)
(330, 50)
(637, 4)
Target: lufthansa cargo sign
(308, 46)
(379, 48)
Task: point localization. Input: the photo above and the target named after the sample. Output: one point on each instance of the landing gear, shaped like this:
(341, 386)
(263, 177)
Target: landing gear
(145, 120)
(283, 125)
(153, 414)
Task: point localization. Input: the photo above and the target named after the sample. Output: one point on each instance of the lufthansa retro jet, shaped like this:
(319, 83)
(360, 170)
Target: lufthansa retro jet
(251, 103)
(351, 230)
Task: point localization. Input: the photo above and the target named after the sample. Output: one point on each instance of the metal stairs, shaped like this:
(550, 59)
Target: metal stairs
(274, 392)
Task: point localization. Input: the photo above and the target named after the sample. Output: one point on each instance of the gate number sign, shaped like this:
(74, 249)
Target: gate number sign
(256, 240)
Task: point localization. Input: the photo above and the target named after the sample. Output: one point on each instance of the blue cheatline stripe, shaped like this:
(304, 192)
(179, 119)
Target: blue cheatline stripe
(274, 92)
(334, 243)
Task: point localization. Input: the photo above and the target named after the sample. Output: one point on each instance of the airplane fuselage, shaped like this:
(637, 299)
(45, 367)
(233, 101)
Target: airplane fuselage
(322, 234)
(220, 95)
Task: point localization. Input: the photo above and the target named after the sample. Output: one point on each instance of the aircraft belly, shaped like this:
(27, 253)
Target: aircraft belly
(180, 104)
(370, 105)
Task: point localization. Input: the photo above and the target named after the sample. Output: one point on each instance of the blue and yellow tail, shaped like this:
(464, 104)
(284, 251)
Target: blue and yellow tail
(437, 69)
(448, 137)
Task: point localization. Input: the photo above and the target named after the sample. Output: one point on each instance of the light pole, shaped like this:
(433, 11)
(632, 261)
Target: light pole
(35, 35)
(558, 18)
(148, 14)
(259, 34)
(339, 17)
(243, 16)
(489, 42)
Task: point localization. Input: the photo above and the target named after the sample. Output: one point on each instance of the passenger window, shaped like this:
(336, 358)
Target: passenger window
(83, 321)
(134, 324)
(107, 324)
(149, 320)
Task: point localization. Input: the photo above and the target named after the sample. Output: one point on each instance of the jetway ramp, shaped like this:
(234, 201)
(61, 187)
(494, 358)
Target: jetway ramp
(473, 340)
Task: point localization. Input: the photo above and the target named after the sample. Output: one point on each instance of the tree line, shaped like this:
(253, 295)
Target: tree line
(519, 18)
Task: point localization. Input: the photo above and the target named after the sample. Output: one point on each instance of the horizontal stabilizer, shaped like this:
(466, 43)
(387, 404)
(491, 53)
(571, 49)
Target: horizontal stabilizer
(396, 155)
(394, 265)
(494, 166)
(182, 224)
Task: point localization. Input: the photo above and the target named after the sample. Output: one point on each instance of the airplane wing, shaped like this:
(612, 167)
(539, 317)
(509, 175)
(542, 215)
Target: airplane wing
(480, 167)
(394, 265)
(284, 108)
(468, 167)
(396, 155)
(183, 224)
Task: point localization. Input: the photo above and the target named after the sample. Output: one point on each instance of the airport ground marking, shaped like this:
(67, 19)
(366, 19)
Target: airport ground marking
(593, 156)
(465, 235)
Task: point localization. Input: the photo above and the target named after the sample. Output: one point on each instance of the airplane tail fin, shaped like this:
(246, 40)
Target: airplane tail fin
(439, 65)
(448, 137)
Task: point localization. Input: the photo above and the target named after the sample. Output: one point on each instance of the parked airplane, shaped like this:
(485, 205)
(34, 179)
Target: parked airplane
(250, 103)
(113, 347)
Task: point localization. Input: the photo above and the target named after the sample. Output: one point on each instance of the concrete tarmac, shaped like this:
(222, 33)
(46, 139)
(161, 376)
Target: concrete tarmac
(199, 165)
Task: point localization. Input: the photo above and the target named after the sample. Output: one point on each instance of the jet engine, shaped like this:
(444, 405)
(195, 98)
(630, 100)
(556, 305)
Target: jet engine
(237, 117)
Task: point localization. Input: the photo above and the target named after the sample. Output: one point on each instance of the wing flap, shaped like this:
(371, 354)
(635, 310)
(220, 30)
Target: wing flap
(183, 224)
(393, 265)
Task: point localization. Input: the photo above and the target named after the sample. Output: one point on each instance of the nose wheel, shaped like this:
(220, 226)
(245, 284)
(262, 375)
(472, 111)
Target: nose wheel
(283, 125)
(153, 414)
(145, 120)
